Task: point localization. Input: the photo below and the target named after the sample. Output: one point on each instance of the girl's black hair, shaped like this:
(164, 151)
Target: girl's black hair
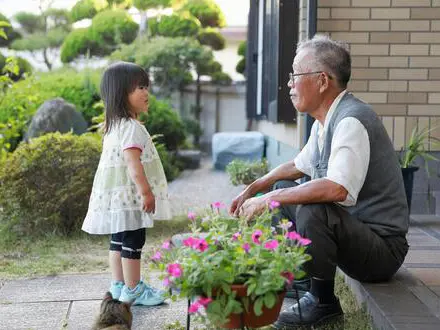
(119, 80)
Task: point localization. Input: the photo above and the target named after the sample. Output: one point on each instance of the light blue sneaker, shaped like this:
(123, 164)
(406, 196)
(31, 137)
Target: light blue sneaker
(116, 288)
(142, 294)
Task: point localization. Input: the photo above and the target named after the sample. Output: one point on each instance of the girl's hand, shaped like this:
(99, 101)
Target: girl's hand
(148, 202)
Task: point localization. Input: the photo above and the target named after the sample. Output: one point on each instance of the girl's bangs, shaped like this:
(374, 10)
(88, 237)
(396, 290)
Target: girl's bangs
(140, 79)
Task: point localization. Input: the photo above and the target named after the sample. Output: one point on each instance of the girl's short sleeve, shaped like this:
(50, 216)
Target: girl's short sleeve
(132, 136)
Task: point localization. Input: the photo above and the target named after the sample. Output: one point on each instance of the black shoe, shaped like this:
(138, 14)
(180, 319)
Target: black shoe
(298, 288)
(309, 313)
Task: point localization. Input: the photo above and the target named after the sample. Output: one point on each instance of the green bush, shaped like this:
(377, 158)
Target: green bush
(242, 172)
(78, 42)
(112, 27)
(162, 120)
(221, 78)
(45, 184)
(168, 161)
(175, 26)
(241, 66)
(86, 9)
(242, 48)
(212, 38)
(9, 31)
(207, 12)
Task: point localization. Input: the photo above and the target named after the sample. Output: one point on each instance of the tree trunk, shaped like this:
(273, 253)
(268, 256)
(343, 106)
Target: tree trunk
(198, 107)
(46, 59)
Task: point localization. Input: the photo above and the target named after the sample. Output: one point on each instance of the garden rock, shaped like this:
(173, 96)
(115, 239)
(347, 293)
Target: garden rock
(190, 158)
(56, 116)
(227, 146)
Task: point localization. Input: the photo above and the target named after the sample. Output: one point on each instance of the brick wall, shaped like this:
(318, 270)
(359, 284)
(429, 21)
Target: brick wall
(395, 47)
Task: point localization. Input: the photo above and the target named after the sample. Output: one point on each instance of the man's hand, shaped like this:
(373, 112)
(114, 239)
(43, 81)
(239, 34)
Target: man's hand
(238, 202)
(148, 203)
(252, 207)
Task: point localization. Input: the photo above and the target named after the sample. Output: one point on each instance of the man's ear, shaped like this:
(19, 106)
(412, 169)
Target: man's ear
(324, 82)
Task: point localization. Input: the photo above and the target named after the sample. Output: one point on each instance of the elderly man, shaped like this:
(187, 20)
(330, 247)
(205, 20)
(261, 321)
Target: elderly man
(354, 208)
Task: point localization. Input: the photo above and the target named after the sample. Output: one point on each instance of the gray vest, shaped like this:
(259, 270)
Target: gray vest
(381, 203)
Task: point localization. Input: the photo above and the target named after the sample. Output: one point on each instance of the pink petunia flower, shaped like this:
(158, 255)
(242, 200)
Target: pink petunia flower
(304, 241)
(191, 242)
(166, 282)
(218, 205)
(271, 245)
(236, 236)
(289, 277)
(157, 256)
(246, 247)
(191, 216)
(202, 245)
(293, 235)
(166, 245)
(194, 308)
(256, 236)
(204, 301)
(274, 204)
(174, 270)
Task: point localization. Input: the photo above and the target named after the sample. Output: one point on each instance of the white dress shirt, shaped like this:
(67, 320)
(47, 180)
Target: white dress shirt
(349, 155)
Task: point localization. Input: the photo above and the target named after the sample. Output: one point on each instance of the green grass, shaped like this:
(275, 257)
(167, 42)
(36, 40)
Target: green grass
(52, 255)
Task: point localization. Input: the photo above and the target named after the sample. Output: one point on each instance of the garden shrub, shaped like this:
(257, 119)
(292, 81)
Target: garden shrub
(168, 160)
(114, 26)
(78, 42)
(175, 26)
(24, 67)
(86, 9)
(45, 184)
(212, 38)
(207, 11)
(245, 172)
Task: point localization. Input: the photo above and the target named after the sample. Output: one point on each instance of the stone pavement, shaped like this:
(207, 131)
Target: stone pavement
(411, 301)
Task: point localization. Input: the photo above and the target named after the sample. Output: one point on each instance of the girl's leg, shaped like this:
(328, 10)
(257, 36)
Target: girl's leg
(132, 271)
(133, 241)
(114, 257)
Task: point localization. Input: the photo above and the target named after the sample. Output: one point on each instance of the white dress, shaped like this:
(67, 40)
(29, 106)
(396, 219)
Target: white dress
(115, 204)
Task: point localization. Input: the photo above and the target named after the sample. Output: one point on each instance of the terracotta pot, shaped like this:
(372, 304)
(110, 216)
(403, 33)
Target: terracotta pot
(248, 318)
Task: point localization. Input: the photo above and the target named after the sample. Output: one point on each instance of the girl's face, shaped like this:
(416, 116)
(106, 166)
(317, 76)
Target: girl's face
(138, 100)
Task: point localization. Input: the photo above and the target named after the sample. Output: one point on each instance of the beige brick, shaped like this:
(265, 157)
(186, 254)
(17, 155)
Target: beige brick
(435, 49)
(358, 85)
(399, 133)
(333, 25)
(390, 109)
(392, 13)
(389, 61)
(411, 3)
(424, 61)
(409, 49)
(435, 25)
(434, 98)
(425, 37)
(411, 123)
(389, 37)
(412, 25)
(351, 37)
(434, 74)
(358, 73)
(424, 86)
(370, 49)
(370, 25)
(334, 3)
(371, 3)
(372, 97)
(423, 110)
(350, 13)
(359, 61)
(425, 13)
(323, 13)
(406, 98)
(388, 85)
(409, 74)
(388, 122)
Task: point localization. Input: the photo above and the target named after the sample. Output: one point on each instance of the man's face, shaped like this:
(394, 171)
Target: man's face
(304, 90)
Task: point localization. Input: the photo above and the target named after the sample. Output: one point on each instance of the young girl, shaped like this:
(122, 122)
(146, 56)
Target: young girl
(130, 188)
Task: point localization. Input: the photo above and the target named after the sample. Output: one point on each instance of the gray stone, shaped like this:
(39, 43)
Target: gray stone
(227, 146)
(190, 158)
(56, 116)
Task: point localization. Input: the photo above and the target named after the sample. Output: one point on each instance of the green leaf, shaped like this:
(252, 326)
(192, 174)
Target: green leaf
(258, 306)
(270, 299)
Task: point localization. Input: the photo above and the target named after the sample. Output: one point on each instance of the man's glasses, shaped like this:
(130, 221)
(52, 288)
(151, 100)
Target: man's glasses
(293, 75)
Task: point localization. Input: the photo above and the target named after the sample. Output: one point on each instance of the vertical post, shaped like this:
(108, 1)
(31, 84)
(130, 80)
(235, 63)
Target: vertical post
(217, 109)
(188, 316)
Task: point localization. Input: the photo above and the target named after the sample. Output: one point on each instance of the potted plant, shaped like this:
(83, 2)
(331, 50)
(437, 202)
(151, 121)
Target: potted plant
(243, 172)
(415, 148)
(234, 272)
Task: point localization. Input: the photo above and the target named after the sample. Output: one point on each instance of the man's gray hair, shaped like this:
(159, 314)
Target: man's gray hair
(330, 56)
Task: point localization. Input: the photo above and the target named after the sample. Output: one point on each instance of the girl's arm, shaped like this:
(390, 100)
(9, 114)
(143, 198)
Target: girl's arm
(132, 157)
